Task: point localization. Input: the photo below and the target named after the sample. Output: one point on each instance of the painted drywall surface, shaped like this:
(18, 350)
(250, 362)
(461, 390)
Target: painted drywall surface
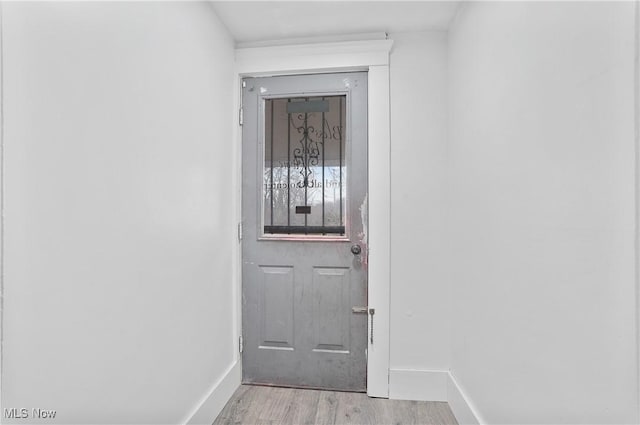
(541, 212)
(119, 209)
(419, 294)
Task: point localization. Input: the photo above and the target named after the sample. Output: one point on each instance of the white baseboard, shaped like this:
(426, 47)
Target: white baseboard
(213, 402)
(413, 384)
(460, 405)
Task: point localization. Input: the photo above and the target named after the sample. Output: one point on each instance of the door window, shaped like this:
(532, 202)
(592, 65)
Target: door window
(304, 173)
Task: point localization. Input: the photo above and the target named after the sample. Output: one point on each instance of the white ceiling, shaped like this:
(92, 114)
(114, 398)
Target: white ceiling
(259, 21)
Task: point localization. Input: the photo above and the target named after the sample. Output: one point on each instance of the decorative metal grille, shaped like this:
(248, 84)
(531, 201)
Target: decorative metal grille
(304, 170)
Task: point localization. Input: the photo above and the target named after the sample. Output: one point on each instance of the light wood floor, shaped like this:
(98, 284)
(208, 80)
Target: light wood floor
(288, 406)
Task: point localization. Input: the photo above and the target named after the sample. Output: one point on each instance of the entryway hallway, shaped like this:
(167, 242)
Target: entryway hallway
(252, 405)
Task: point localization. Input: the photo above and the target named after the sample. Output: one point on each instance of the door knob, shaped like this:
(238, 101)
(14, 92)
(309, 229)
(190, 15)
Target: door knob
(355, 249)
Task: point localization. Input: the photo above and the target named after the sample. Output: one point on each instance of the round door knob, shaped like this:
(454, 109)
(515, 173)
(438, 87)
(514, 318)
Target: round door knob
(356, 250)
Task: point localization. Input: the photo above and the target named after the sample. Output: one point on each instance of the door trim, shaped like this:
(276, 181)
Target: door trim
(371, 56)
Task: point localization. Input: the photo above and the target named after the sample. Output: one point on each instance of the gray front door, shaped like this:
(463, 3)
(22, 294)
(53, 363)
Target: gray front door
(304, 220)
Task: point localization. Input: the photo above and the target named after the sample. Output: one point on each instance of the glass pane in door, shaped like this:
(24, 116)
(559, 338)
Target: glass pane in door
(304, 191)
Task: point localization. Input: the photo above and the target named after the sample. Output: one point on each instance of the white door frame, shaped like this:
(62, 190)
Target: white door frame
(371, 56)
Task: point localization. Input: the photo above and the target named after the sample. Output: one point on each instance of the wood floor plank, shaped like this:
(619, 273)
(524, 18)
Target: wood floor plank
(402, 412)
(383, 410)
(327, 406)
(277, 402)
(354, 408)
(236, 406)
(244, 407)
(439, 413)
(259, 405)
(304, 406)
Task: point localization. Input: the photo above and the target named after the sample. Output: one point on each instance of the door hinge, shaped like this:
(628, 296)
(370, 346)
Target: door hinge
(244, 83)
(241, 116)
(239, 231)
(240, 344)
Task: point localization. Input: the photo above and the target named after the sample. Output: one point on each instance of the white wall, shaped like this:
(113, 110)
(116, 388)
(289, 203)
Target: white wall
(119, 209)
(419, 294)
(542, 211)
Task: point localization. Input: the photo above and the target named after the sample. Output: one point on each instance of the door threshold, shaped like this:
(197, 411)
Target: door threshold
(303, 387)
